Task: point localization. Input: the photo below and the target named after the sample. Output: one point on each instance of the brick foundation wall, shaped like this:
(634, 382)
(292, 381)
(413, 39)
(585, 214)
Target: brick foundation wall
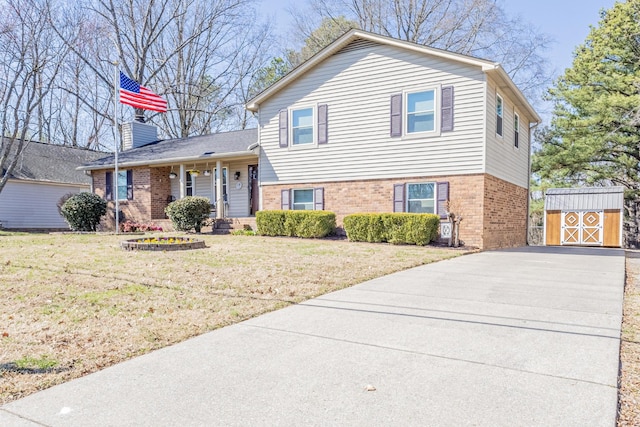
(505, 214)
(350, 197)
(493, 211)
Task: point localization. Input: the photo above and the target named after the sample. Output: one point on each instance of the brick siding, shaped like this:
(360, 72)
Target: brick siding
(151, 187)
(501, 224)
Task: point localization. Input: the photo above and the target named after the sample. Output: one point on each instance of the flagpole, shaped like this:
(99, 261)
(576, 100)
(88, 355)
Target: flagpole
(117, 142)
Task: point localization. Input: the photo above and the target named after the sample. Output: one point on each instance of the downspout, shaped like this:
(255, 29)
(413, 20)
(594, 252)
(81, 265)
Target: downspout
(535, 125)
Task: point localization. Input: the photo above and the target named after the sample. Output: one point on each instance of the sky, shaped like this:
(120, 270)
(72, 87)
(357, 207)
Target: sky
(566, 21)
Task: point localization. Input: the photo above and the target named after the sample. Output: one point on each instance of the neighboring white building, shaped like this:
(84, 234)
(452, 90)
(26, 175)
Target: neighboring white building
(44, 173)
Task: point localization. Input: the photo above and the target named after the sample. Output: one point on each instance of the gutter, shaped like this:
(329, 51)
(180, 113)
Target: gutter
(168, 162)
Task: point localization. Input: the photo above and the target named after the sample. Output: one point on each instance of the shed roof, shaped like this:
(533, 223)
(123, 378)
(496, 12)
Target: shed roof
(564, 199)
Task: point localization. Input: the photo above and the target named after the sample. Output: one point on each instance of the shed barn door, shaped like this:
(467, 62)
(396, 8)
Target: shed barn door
(582, 228)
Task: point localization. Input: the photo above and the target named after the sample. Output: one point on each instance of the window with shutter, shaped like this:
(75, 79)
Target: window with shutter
(108, 186)
(396, 115)
(318, 198)
(446, 109)
(398, 197)
(284, 129)
(129, 184)
(443, 198)
(285, 200)
(323, 133)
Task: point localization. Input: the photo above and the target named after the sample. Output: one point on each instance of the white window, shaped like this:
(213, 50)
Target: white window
(516, 130)
(302, 126)
(189, 185)
(499, 114)
(303, 199)
(421, 197)
(122, 185)
(421, 112)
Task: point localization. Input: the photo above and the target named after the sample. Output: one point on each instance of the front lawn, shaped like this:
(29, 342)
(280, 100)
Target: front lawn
(76, 303)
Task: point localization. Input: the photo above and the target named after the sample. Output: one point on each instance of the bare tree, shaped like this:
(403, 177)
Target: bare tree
(479, 28)
(194, 53)
(30, 61)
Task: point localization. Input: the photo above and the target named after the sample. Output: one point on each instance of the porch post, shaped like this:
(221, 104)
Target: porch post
(219, 196)
(182, 181)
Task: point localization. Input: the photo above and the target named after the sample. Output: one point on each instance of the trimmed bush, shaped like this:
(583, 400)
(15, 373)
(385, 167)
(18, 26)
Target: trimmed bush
(189, 213)
(307, 224)
(270, 223)
(395, 228)
(83, 211)
(364, 228)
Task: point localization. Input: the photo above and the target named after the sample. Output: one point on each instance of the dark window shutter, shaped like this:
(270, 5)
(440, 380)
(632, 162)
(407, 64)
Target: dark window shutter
(129, 184)
(108, 187)
(318, 198)
(446, 109)
(284, 201)
(398, 197)
(516, 143)
(498, 125)
(284, 128)
(443, 197)
(322, 124)
(396, 115)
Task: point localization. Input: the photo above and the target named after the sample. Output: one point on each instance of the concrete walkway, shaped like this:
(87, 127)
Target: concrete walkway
(525, 337)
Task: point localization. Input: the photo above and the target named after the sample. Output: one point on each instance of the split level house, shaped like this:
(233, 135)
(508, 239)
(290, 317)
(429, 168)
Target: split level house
(369, 124)
(44, 173)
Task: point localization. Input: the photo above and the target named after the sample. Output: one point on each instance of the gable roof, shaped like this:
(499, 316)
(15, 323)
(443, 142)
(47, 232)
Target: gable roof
(489, 67)
(53, 163)
(191, 149)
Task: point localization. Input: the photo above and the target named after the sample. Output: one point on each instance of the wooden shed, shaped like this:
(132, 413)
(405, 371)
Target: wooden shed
(590, 216)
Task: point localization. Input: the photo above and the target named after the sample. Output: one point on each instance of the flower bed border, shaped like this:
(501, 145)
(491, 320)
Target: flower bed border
(184, 243)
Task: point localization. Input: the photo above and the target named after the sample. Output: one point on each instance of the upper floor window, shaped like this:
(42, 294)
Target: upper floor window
(516, 130)
(302, 129)
(421, 111)
(427, 112)
(499, 114)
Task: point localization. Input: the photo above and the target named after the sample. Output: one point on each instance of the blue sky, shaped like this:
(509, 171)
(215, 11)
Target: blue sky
(567, 21)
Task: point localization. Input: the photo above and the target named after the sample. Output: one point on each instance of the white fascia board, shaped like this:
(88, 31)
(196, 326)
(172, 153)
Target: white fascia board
(505, 82)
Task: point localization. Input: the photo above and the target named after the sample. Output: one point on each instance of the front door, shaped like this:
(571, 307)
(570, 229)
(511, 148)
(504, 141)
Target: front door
(254, 192)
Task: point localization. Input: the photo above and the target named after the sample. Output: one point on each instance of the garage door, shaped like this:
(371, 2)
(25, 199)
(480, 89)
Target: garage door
(582, 228)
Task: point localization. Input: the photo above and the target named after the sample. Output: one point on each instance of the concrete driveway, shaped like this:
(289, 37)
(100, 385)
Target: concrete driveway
(523, 337)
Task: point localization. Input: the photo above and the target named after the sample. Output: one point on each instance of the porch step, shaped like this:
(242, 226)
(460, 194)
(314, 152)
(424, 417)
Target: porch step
(227, 225)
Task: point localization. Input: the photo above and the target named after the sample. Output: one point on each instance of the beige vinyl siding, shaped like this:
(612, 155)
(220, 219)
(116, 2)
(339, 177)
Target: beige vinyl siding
(357, 85)
(32, 204)
(504, 161)
(237, 199)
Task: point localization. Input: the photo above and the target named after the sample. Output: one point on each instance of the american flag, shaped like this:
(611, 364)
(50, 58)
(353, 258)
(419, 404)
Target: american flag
(131, 93)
